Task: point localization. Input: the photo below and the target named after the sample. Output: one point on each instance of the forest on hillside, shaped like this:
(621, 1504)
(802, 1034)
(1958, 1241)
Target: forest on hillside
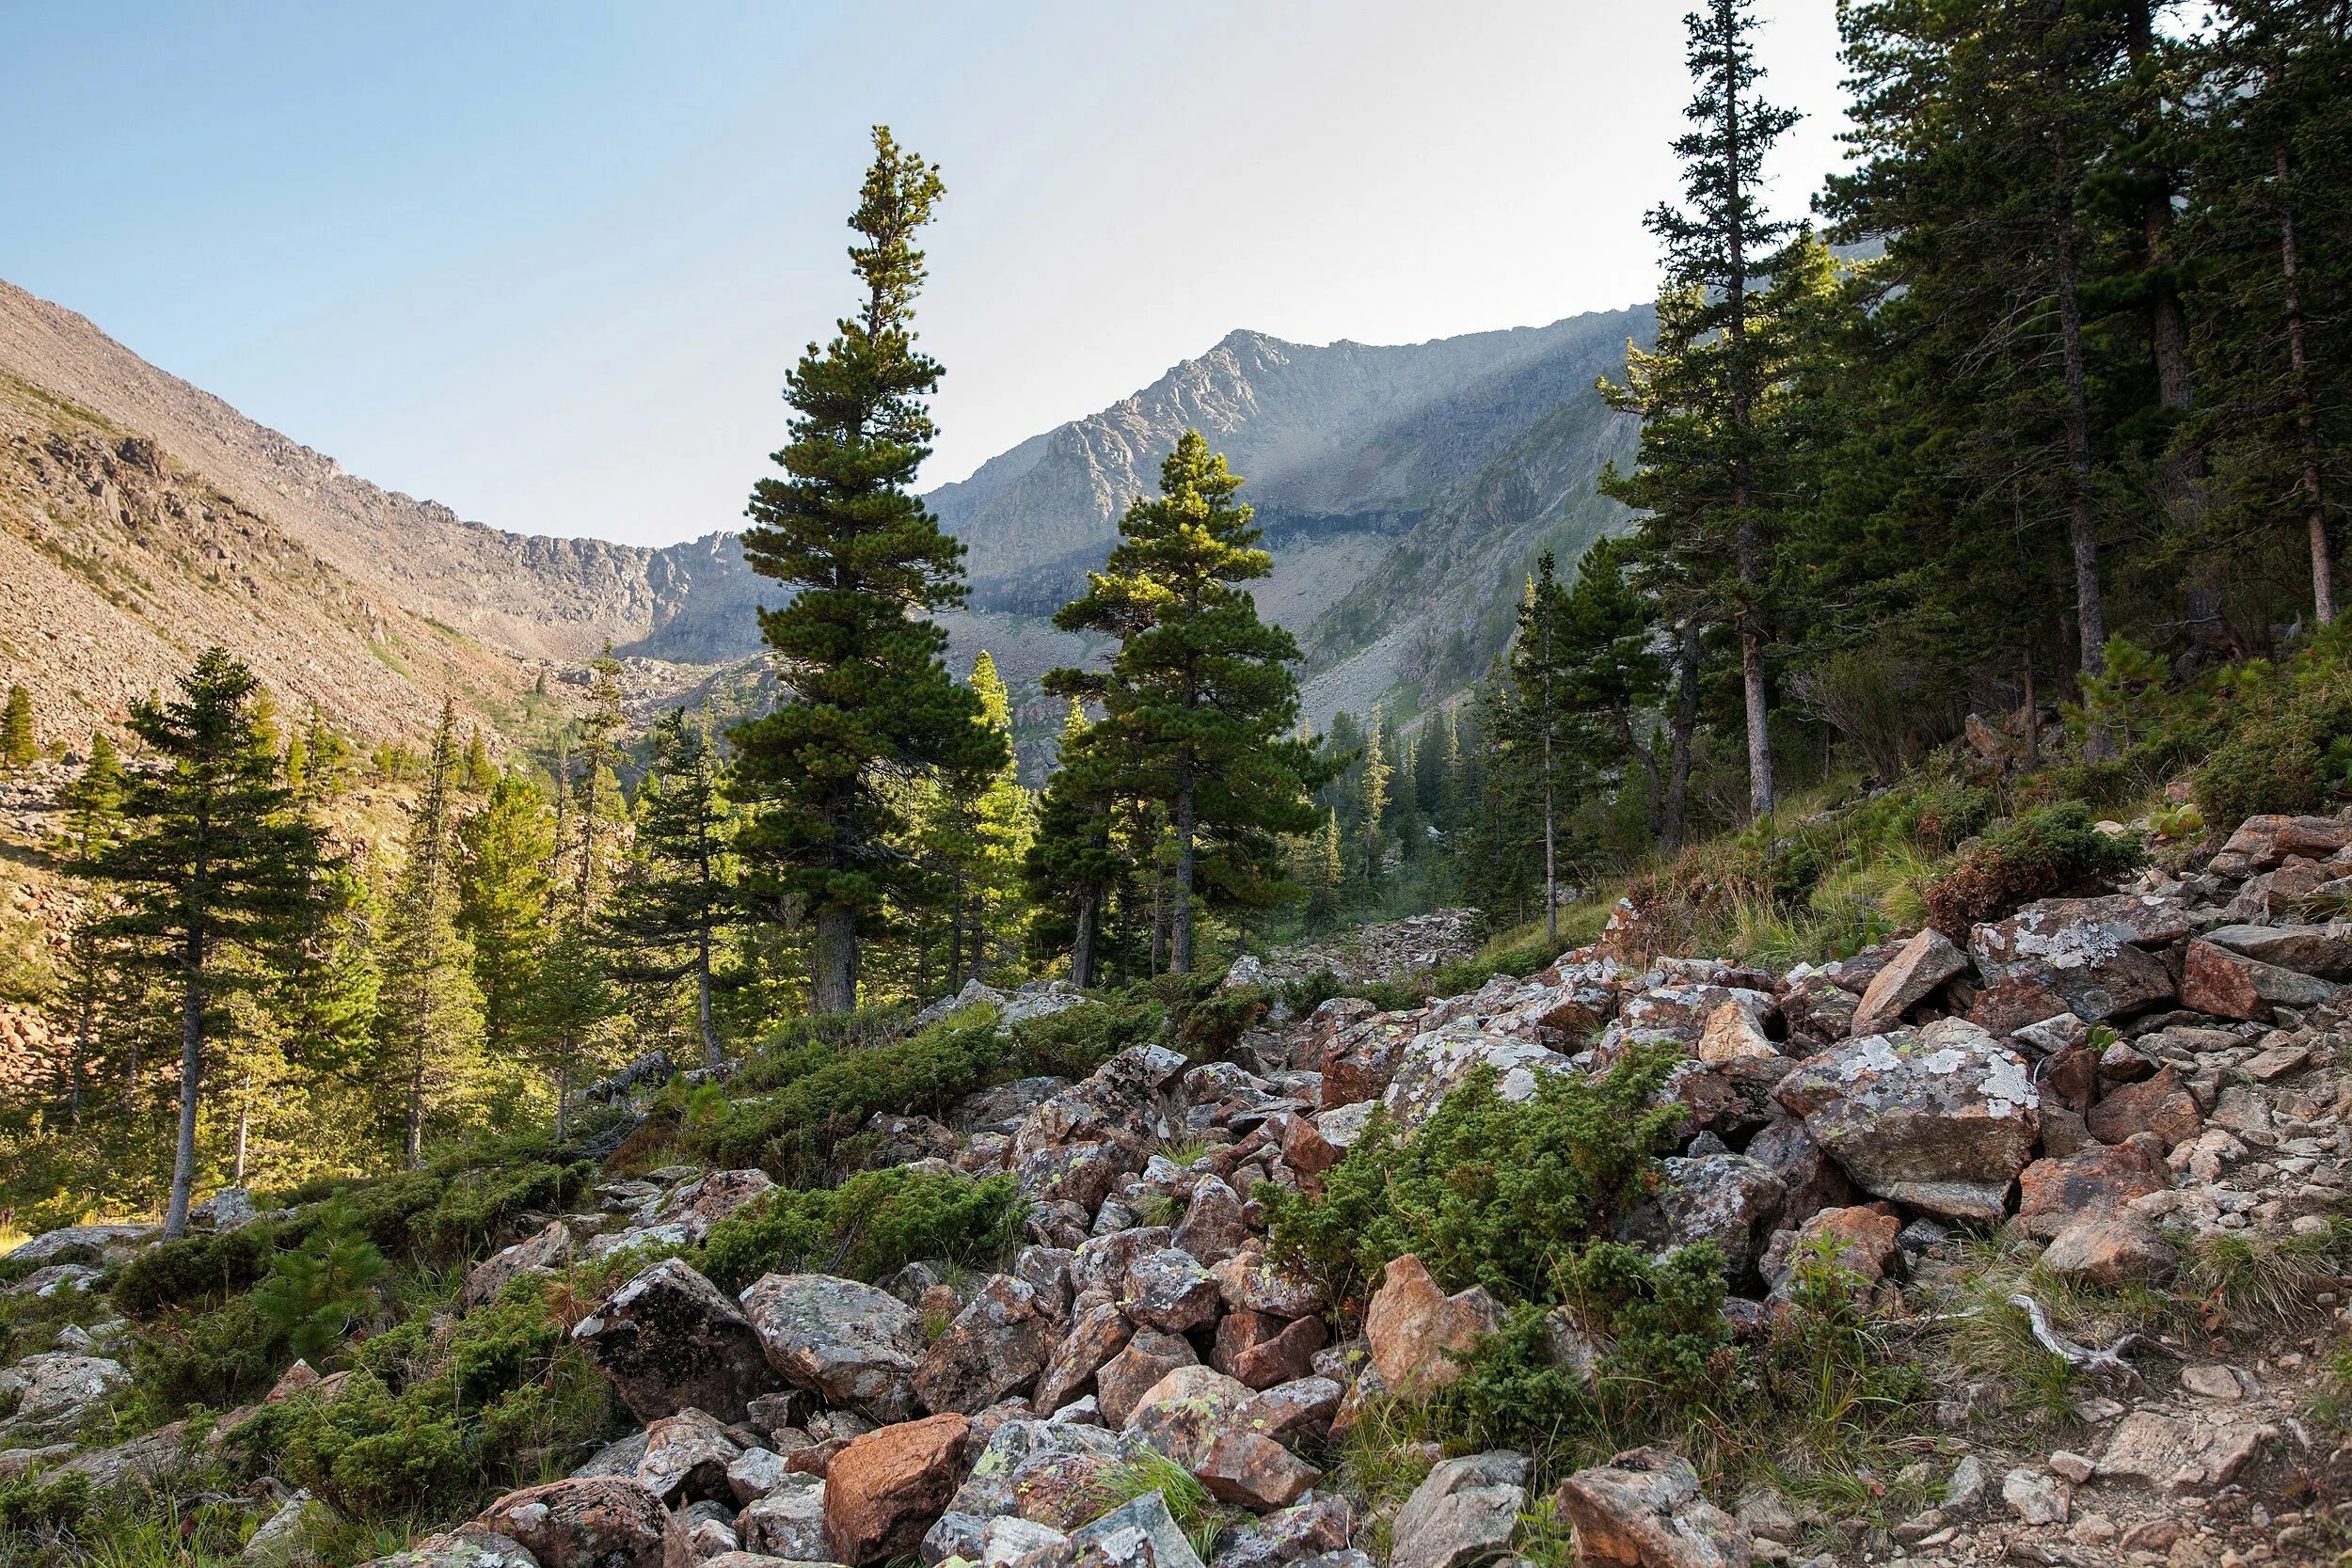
(2060, 466)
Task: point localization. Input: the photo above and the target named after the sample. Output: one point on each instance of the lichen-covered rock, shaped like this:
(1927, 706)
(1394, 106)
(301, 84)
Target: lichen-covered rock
(1124, 1097)
(701, 1204)
(1249, 1283)
(1186, 1411)
(1917, 968)
(2313, 950)
(2262, 842)
(1437, 1062)
(1137, 1534)
(53, 1387)
(1643, 1509)
(1213, 1227)
(1095, 1335)
(1049, 1472)
(2110, 1251)
(2099, 1179)
(995, 1347)
(2229, 984)
(1254, 1471)
(845, 1342)
(604, 1522)
(1125, 1378)
(538, 1254)
(1169, 1290)
(1730, 1199)
(2160, 1105)
(1941, 1119)
(2090, 951)
(686, 1457)
(669, 1341)
(77, 1241)
(469, 1545)
(789, 1521)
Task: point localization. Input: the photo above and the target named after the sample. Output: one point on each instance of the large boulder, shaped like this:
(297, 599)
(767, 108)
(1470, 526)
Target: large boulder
(1415, 1331)
(1643, 1509)
(1463, 1512)
(1941, 1119)
(1124, 1097)
(701, 1204)
(1185, 1413)
(789, 1522)
(1050, 1472)
(670, 1340)
(2090, 951)
(2228, 982)
(997, 1346)
(76, 1241)
(1437, 1062)
(1096, 1335)
(2314, 950)
(2262, 843)
(847, 1343)
(469, 1545)
(603, 1522)
(687, 1457)
(53, 1387)
(1730, 1199)
(1360, 1060)
(884, 1490)
(2100, 1179)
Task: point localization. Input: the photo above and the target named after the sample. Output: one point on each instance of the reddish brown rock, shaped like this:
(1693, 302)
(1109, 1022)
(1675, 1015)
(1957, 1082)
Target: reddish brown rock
(600, 1522)
(1645, 1509)
(2161, 1105)
(1305, 1149)
(883, 1490)
(2070, 1079)
(1287, 1355)
(1920, 965)
(1256, 1472)
(1098, 1334)
(2002, 1009)
(995, 1346)
(2109, 1251)
(2099, 1179)
(1417, 1331)
(2228, 984)
(2264, 842)
(1125, 1378)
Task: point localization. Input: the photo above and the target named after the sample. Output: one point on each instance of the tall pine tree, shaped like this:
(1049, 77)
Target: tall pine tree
(430, 1021)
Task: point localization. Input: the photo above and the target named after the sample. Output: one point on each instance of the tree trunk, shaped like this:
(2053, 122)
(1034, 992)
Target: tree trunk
(1180, 946)
(412, 1147)
(191, 1084)
(2032, 717)
(244, 1128)
(1680, 730)
(2314, 514)
(712, 1055)
(563, 1088)
(2082, 526)
(833, 981)
(1760, 732)
(1082, 941)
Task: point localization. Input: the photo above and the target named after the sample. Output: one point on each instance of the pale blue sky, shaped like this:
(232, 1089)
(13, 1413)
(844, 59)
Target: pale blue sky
(548, 262)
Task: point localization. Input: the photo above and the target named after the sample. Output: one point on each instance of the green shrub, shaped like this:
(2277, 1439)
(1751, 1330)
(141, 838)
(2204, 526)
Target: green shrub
(2035, 854)
(1310, 991)
(30, 1503)
(193, 1269)
(215, 1359)
(316, 1291)
(1464, 976)
(1076, 1041)
(1664, 1316)
(366, 1451)
(791, 1132)
(2285, 750)
(874, 1223)
(1487, 1191)
(475, 1210)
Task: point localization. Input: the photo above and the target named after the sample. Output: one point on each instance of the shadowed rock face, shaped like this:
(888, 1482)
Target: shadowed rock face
(670, 1340)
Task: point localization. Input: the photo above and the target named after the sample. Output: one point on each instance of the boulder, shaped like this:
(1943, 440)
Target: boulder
(2110, 1250)
(2313, 950)
(1249, 1283)
(753, 1473)
(699, 1205)
(2228, 984)
(1306, 1530)
(1123, 1098)
(1277, 1352)
(1213, 1229)
(2174, 1454)
(1254, 1471)
(141, 1459)
(669, 1341)
(1733, 1035)
(1095, 1335)
(1049, 1472)
(789, 1522)
(1810, 1181)
(53, 1387)
(1643, 1509)
(1416, 1330)
(2088, 951)
(1137, 1534)
(1437, 1062)
(1861, 1240)
(845, 1342)
(1463, 1512)
(1186, 1412)
(687, 1457)
(2161, 1105)
(1941, 1119)
(603, 1522)
(995, 1347)
(539, 1254)
(1290, 1412)
(1125, 1378)
(1730, 1199)
(74, 1242)
(1917, 968)
(2262, 843)
(1169, 1290)
(884, 1490)
(2099, 1179)
(469, 1545)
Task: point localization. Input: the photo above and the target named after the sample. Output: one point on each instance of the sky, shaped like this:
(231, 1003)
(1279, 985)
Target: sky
(548, 263)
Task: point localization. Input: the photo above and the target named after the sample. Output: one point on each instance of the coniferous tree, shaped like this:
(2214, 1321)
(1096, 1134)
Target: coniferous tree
(431, 1018)
(94, 805)
(506, 904)
(478, 772)
(1072, 868)
(214, 865)
(1199, 697)
(669, 916)
(597, 804)
(868, 696)
(1372, 784)
(17, 748)
(976, 828)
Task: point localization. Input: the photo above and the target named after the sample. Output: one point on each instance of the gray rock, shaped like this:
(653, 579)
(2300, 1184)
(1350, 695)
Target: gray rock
(789, 1521)
(845, 1342)
(1463, 1512)
(1137, 1534)
(997, 1346)
(669, 1341)
(1725, 1198)
(1644, 1508)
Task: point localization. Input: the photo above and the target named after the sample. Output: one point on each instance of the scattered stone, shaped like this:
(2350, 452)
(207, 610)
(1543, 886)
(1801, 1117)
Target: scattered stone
(884, 1489)
(1643, 1509)
(2110, 1250)
(604, 1522)
(669, 1341)
(1416, 1330)
(1135, 1372)
(995, 1347)
(789, 1522)
(686, 1457)
(1254, 1471)
(469, 1545)
(1463, 1512)
(1917, 968)
(2038, 1499)
(850, 1344)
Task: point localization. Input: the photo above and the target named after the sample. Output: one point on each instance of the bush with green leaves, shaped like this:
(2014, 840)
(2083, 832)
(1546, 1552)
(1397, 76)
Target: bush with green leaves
(43, 1503)
(211, 1360)
(193, 1269)
(827, 1093)
(874, 1223)
(2285, 748)
(2036, 854)
(316, 1291)
(1074, 1042)
(1488, 1190)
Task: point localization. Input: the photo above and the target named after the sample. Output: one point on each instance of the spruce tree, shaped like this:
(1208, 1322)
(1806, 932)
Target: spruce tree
(431, 1018)
(975, 829)
(1371, 784)
(1072, 867)
(17, 748)
(1716, 247)
(505, 904)
(597, 804)
(1199, 697)
(93, 804)
(214, 866)
(1542, 715)
(869, 698)
(670, 912)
